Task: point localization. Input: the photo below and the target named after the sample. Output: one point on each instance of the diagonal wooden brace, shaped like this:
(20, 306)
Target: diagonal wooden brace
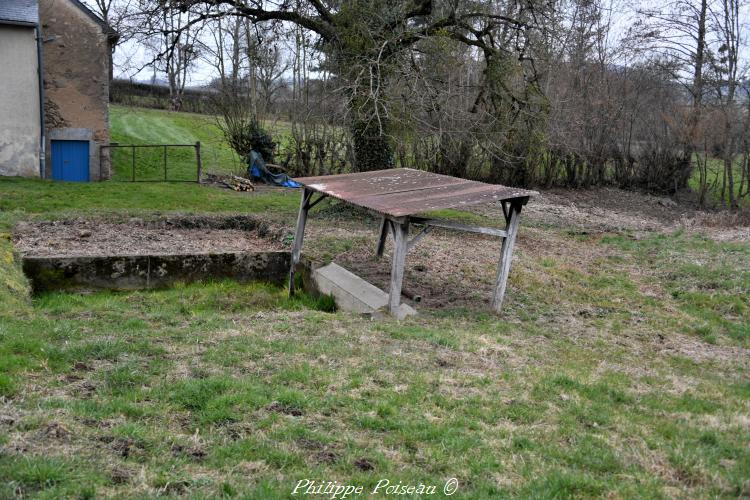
(506, 253)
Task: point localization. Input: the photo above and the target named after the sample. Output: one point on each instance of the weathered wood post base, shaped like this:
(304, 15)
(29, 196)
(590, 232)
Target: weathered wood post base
(400, 248)
(512, 219)
(299, 235)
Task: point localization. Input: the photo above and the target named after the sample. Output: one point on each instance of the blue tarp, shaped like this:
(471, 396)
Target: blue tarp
(256, 169)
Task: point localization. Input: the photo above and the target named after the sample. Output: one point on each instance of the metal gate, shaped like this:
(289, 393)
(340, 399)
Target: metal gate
(154, 162)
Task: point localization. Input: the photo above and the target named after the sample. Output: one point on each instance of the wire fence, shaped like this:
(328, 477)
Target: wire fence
(154, 162)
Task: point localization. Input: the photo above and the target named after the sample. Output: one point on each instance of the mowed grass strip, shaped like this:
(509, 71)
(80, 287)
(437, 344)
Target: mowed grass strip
(152, 126)
(56, 199)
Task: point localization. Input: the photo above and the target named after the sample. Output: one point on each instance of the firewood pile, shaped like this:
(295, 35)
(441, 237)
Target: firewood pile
(238, 183)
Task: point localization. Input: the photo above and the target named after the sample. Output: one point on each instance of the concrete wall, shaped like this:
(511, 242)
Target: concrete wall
(19, 102)
(134, 272)
(76, 73)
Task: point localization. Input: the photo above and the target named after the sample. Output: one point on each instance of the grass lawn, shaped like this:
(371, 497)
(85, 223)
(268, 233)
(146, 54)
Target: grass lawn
(619, 368)
(152, 126)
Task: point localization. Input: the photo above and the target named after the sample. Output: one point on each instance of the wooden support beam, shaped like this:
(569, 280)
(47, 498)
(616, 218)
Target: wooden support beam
(459, 227)
(506, 254)
(299, 235)
(384, 227)
(400, 243)
(320, 198)
(418, 237)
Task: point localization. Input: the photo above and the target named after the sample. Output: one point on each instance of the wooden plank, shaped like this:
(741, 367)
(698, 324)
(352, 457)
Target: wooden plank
(352, 190)
(506, 255)
(412, 202)
(393, 180)
(491, 231)
(299, 235)
(384, 225)
(401, 240)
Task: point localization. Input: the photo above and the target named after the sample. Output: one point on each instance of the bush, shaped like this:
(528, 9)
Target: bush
(239, 124)
(251, 136)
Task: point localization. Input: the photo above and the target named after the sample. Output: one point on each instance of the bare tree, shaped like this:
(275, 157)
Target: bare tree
(677, 33)
(223, 47)
(363, 39)
(269, 66)
(726, 70)
(171, 35)
(117, 14)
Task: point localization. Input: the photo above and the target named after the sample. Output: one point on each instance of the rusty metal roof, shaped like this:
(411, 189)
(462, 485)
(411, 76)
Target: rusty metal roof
(400, 192)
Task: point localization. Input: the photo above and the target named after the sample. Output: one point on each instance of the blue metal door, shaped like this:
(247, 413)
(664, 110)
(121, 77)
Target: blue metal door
(70, 161)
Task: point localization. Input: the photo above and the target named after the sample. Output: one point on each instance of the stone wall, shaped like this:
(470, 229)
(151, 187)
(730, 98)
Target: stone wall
(76, 73)
(19, 102)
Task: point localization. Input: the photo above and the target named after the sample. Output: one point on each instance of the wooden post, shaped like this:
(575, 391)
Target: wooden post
(165, 163)
(299, 235)
(198, 161)
(132, 152)
(400, 243)
(383, 236)
(506, 254)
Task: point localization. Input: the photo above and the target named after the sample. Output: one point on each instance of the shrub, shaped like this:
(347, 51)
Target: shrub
(240, 126)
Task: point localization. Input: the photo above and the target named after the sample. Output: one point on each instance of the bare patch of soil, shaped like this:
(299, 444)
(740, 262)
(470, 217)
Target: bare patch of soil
(447, 269)
(135, 236)
(613, 210)
(442, 270)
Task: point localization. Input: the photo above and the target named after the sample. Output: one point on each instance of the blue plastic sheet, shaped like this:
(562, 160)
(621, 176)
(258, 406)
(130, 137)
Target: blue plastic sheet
(256, 169)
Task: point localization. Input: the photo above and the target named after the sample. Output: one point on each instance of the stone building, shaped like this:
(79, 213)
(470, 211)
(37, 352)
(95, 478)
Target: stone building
(54, 102)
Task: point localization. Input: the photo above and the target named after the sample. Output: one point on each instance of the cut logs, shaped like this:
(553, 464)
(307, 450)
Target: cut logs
(238, 183)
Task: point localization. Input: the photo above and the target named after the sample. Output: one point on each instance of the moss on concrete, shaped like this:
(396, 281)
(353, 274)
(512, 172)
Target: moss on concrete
(14, 287)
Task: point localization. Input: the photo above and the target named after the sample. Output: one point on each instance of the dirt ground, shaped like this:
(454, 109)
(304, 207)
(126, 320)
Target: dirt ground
(450, 269)
(446, 269)
(169, 235)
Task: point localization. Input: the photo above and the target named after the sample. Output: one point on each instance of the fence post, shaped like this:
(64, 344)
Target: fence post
(198, 160)
(133, 156)
(165, 163)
